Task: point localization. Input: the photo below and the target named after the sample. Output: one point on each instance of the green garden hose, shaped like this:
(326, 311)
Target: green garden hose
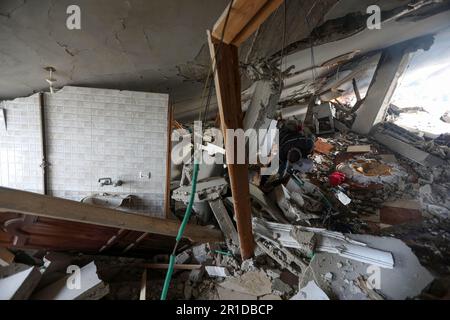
(186, 217)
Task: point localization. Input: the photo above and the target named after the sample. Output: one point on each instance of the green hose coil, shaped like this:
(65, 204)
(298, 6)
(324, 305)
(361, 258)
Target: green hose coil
(186, 217)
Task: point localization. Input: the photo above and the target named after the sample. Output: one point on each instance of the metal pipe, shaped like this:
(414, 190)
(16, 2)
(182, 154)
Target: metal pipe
(44, 163)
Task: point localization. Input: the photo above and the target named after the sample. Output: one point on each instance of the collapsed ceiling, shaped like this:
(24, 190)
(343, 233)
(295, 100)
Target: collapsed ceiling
(155, 46)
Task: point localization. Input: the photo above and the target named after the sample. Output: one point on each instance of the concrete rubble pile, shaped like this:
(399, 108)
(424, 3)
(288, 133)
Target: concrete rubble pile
(324, 222)
(343, 217)
(51, 276)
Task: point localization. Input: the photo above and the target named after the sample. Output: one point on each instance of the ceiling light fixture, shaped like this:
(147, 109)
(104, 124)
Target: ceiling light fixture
(50, 79)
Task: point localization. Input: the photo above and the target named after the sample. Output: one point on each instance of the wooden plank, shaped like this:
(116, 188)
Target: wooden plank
(20, 285)
(359, 148)
(257, 21)
(168, 161)
(245, 18)
(15, 201)
(175, 267)
(6, 257)
(143, 293)
(228, 91)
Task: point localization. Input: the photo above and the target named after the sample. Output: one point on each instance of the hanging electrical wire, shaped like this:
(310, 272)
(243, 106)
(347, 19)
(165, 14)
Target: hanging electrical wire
(283, 46)
(311, 42)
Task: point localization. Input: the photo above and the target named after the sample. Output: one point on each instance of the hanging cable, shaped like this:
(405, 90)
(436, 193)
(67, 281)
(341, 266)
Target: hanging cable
(311, 42)
(283, 46)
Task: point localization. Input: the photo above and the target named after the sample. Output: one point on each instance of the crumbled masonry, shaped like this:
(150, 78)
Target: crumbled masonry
(299, 216)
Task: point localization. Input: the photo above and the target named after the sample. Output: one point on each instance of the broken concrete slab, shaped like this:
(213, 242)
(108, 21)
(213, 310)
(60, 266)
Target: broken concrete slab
(86, 286)
(406, 280)
(201, 253)
(263, 104)
(224, 220)
(290, 204)
(311, 292)
(306, 239)
(263, 204)
(388, 158)
(280, 288)
(285, 258)
(407, 150)
(214, 271)
(393, 62)
(207, 190)
(327, 241)
(228, 294)
(196, 275)
(248, 265)
(55, 268)
(270, 297)
(20, 284)
(255, 283)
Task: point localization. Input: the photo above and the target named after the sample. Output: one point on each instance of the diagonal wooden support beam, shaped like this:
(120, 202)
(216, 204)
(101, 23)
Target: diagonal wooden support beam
(27, 203)
(245, 18)
(6, 257)
(228, 90)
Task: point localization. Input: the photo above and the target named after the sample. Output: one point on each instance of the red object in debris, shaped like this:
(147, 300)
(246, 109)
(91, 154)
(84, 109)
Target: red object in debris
(336, 178)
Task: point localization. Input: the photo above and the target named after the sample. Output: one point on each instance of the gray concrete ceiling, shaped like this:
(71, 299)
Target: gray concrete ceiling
(134, 44)
(156, 45)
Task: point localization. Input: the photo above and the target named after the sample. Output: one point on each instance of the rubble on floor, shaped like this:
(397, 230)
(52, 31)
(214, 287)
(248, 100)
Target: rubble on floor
(348, 219)
(325, 224)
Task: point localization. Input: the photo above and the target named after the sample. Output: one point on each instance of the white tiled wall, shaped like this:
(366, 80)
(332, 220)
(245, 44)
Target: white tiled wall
(96, 133)
(20, 145)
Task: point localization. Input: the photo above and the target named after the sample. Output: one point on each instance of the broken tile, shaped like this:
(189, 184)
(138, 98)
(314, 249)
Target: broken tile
(217, 271)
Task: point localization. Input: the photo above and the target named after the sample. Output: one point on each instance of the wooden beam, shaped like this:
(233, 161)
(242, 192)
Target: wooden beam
(6, 257)
(175, 267)
(15, 201)
(228, 91)
(143, 293)
(245, 18)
